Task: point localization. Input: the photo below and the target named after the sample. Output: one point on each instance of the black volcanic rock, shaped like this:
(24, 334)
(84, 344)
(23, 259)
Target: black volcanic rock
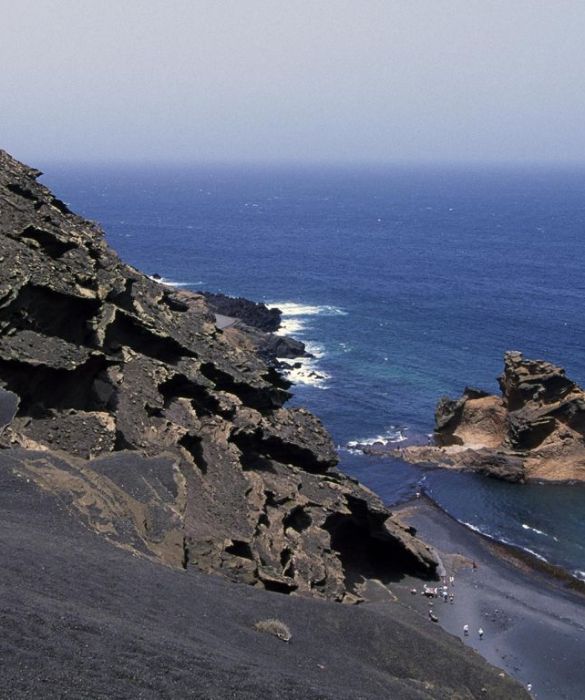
(162, 432)
(252, 313)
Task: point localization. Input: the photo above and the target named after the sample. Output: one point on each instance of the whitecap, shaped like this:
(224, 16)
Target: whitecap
(316, 350)
(391, 436)
(291, 326)
(171, 283)
(503, 540)
(291, 308)
(304, 370)
(534, 554)
(579, 574)
(476, 529)
(533, 529)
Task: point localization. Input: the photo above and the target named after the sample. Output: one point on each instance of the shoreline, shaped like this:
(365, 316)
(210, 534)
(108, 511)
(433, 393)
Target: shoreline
(513, 554)
(530, 617)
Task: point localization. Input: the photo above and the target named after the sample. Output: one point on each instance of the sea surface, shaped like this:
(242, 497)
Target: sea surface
(406, 283)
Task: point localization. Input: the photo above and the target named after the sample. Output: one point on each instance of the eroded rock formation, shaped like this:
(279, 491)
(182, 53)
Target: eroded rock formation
(534, 430)
(163, 432)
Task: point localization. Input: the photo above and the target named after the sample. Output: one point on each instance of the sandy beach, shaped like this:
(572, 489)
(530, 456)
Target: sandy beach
(534, 624)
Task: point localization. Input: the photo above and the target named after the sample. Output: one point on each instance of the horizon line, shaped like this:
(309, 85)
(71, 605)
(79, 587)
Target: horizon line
(296, 163)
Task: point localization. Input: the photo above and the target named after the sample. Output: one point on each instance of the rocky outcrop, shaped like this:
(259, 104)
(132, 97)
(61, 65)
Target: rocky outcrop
(164, 433)
(258, 326)
(252, 313)
(534, 430)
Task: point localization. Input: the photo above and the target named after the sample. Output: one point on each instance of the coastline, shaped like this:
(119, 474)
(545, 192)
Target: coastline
(529, 614)
(518, 556)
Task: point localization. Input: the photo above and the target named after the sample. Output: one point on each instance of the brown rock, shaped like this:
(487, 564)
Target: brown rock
(536, 430)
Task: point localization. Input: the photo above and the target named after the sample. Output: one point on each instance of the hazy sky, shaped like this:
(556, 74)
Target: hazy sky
(303, 80)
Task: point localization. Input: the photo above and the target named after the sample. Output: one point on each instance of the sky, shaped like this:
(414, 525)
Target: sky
(326, 81)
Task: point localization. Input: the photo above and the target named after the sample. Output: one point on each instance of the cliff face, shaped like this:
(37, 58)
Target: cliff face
(534, 430)
(162, 432)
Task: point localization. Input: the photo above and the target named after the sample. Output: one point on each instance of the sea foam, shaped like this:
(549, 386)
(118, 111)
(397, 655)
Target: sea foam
(304, 370)
(171, 283)
(394, 434)
(295, 321)
(292, 308)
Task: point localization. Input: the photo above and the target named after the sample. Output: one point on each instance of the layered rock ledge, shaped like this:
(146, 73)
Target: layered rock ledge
(162, 431)
(534, 430)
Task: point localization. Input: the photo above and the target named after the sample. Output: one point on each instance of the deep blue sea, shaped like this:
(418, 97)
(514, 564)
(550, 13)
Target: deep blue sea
(407, 283)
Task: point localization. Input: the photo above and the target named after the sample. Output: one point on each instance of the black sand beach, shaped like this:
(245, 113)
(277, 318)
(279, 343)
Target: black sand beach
(534, 625)
(83, 619)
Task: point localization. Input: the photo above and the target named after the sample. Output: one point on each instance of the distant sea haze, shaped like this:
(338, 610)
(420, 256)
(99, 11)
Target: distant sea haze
(407, 284)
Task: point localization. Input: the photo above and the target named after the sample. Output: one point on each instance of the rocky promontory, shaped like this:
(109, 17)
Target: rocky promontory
(534, 430)
(161, 430)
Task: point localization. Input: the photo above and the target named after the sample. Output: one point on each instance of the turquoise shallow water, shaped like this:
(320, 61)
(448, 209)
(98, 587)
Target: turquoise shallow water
(407, 283)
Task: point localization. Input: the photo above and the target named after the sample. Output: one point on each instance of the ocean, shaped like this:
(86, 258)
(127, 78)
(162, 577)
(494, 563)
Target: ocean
(406, 283)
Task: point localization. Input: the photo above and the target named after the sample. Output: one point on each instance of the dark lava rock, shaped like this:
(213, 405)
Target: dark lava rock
(252, 313)
(162, 432)
(281, 346)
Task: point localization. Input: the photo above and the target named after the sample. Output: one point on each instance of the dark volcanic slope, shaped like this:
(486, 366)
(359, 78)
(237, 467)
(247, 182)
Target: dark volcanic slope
(163, 433)
(82, 619)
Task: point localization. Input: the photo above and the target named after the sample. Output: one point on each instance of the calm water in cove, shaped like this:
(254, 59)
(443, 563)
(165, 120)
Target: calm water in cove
(407, 284)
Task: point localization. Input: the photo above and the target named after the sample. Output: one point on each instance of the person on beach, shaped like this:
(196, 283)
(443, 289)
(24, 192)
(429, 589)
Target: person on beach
(466, 630)
(480, 632)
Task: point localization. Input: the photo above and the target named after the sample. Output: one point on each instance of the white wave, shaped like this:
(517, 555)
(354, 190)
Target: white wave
(503, 540)
(291, 308)
(579, 574)
(534, 554)
(318, 351)
(291, 326)
(391, 436)
(476, 529)
(171, 283)
(533, 529)
(304, 370)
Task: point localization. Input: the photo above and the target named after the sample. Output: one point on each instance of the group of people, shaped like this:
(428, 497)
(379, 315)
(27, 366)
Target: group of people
(443, 592)
(437, 592)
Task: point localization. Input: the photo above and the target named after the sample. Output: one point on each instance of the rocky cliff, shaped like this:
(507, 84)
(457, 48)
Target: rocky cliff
(123, 399)
(534, 430)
